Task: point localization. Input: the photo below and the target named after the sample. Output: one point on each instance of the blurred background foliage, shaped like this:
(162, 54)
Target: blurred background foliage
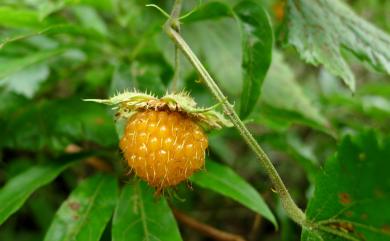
(55, 53)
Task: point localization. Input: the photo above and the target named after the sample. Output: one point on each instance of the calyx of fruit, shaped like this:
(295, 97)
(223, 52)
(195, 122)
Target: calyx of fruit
(128, 103)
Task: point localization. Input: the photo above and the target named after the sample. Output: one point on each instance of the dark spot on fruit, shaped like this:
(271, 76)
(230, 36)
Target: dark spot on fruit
(75, 217)
(344, 198)
(364, 216)
(75, 206)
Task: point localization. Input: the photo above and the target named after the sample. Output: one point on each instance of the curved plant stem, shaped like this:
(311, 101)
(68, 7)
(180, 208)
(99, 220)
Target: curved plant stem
(175, 14)
(205, 229)
(292, 210)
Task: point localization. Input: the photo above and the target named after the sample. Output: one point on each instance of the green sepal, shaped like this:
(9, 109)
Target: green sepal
(129, 102)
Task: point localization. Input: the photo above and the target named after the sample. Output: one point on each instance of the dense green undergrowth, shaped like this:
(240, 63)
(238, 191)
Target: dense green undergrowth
(310, 79)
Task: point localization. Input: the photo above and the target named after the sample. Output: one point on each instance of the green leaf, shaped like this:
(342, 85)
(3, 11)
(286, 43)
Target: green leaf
(14, 65)
(225, 181)
(371, 103)
(90, 18)
(209, 10)
(146, 77)
(303, 154)
(27, 80)
(47, 7)
(284, 100)
(140, 216)
(9, 102)
(216, 48)
(352, 195)
(143, 76)
(106, 5)
(58, 123)
(19, 18)
(18, 189)
(321, 29)
(121, 80)
(257, 41)
(86, 212)
(60, 28)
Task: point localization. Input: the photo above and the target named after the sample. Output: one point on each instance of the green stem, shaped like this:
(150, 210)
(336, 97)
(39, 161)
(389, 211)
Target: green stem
(175, 24)
(292, 210)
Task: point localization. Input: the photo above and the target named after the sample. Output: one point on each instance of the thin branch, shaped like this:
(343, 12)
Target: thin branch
(206, 229)
(292, 210)
(175, 23)
(93, 161)
(175, 13)
(159, 9)
(256, 226)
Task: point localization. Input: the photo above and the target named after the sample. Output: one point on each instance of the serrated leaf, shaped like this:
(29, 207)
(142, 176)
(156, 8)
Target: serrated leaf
(320, 29)
(352, 195)
(139, 215)
(225, 181)
(86, 212)
(257, 41)
(18, 189)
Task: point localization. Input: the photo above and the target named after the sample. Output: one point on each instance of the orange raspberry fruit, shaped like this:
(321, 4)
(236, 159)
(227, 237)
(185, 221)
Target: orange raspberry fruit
(163, 147)
(163, 141)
